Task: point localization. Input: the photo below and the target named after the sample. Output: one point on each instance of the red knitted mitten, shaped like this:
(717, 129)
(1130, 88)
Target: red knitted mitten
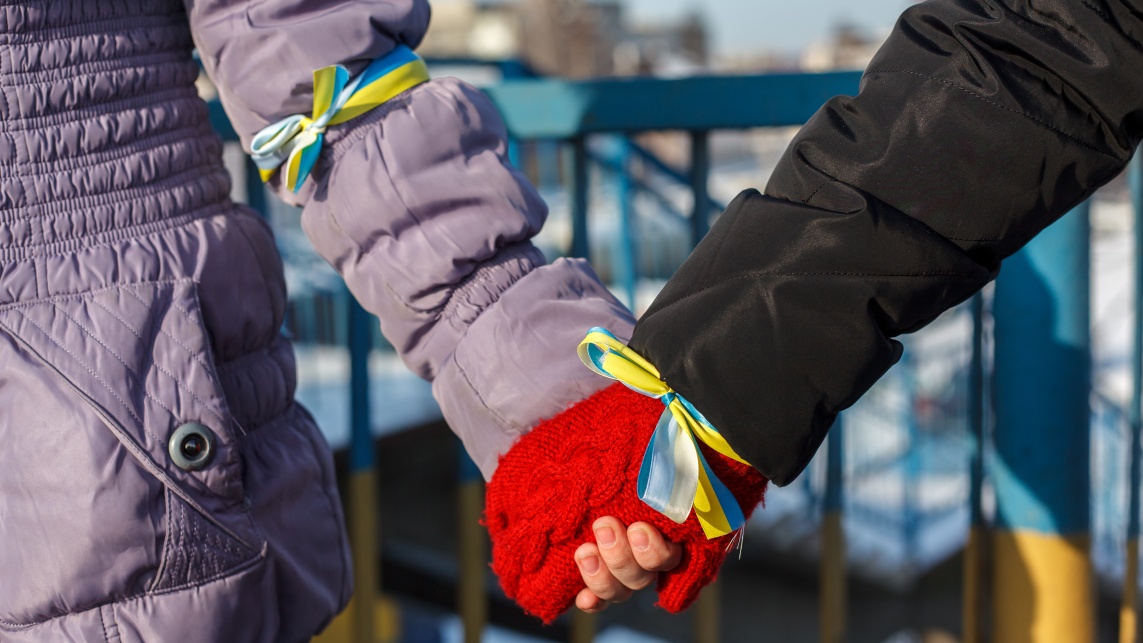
(580, 466)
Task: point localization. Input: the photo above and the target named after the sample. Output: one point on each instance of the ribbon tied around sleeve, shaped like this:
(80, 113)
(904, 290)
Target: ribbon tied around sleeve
(674, 477)
(295, 141)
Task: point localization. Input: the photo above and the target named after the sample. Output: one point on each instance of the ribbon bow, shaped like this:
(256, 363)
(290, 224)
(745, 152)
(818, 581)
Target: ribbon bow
(674, 475)
(296, 140)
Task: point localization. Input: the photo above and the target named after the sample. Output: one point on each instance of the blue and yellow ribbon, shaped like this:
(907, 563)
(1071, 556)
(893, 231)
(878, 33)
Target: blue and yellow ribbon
(295, 141)
(674, 476)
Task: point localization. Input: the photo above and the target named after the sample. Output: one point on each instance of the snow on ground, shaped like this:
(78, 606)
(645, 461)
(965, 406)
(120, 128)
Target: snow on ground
(398, 398)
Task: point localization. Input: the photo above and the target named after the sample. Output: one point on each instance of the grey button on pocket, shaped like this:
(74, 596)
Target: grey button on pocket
(191, 446)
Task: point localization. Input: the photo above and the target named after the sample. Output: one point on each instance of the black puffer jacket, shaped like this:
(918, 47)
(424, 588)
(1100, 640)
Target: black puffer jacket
(978, 124)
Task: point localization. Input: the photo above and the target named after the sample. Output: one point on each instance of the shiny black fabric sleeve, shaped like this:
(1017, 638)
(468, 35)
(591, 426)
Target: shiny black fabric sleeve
(977, 125)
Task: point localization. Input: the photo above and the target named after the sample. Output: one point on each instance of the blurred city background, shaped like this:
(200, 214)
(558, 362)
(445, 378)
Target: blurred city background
(898, 472)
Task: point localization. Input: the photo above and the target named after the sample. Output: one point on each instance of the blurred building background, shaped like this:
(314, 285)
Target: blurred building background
(569, 38)
(587, 39)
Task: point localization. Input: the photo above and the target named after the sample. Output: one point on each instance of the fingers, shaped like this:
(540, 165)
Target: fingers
(587, 601)
(620, 561)
(597, 577)
(615, 549)
(652, 552)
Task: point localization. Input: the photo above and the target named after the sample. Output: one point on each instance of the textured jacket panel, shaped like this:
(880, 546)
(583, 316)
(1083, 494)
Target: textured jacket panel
(103, 130)
(412, 201)
(1005, 115)
(420, 210)
(517, 363)
(210, 589)
(135, 298)
(978, 124)
(417, 206)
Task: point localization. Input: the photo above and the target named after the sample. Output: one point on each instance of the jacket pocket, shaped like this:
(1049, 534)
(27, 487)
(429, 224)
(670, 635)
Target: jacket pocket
(94, 505)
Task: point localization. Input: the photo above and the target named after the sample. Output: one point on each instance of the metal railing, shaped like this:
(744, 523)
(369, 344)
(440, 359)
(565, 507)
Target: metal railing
(907, 460)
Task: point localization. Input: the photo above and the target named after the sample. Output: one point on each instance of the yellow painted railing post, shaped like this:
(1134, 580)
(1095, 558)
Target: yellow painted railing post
(362, 482)
(707, 613)
(582, 627)
(975, 556)
(832, 602)
(974, 585)
(472, 597)
(1042, 584)
(1129, 609)
(363, 544)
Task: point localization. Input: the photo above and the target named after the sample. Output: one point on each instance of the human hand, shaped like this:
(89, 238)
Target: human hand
(570, 471)
(621, 561)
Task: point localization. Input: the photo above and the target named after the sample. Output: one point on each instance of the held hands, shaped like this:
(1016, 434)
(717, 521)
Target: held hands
(560, 486)
(621, 561)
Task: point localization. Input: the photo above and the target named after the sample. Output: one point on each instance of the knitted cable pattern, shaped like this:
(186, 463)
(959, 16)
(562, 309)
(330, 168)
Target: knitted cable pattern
(577, 467)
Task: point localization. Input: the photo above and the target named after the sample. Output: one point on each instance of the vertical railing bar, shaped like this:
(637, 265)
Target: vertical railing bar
(343, 305)
(912, 467)
(1129, 610)
(514, 153)
(547, 163)
(472, 598)
(972, 624)
(582, 627)
(700, 174)
(628, 264)
(578, 193)
(362, 480)
(1042, 382)
(707, 614)
(832, 581)
(255, 189)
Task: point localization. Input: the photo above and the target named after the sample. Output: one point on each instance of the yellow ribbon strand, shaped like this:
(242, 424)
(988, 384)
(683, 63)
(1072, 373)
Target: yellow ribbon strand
(325, 88)
(706, 433)
(384, 90)
(295, 141)
(674, 477)
(709, 513)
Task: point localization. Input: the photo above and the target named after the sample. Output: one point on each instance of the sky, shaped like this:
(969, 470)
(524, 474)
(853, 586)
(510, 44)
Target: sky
(746, 26)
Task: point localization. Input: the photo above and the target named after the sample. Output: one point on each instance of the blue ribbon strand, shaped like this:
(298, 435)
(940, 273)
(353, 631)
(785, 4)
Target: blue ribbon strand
(674, 476)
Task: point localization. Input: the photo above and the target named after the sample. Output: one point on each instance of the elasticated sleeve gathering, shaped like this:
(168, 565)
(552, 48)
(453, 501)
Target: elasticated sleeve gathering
(417, 206)
(977, 125)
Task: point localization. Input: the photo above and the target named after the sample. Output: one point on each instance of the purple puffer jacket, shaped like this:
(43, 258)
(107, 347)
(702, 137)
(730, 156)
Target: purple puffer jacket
(136, 299)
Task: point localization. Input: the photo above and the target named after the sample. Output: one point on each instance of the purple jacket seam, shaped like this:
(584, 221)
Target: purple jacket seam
(94, 375)
(145, 60)
(93, 28)
(255, 558)
(60, 206)
(476, 393)
(107, 157)
(127, 104)
(58, 248)
(482, 275)
(171, 56)
(139, 383)
(116, 287)
(103, 624)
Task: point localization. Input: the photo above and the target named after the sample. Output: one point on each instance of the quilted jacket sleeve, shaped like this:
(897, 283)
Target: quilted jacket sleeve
(418, 208)
(978, 124)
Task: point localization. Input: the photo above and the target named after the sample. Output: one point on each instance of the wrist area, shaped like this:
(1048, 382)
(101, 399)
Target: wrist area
(575, 468)
(595, 448)
(566, 470)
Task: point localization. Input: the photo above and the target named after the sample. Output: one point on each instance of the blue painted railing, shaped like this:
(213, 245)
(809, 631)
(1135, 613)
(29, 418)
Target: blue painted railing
(911, 464)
